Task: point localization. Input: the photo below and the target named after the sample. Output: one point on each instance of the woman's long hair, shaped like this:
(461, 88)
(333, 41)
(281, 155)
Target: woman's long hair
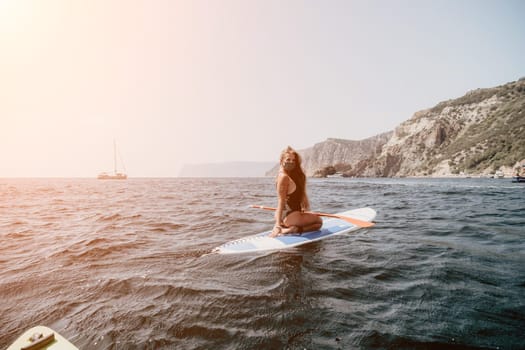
(297, 175)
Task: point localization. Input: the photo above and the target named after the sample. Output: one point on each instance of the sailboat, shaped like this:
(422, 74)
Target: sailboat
(116, 175)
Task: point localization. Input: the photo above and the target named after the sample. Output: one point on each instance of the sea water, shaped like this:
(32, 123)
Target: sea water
(125, 265)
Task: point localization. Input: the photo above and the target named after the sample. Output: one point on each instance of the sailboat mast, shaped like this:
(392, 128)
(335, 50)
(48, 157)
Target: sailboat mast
(115, 155)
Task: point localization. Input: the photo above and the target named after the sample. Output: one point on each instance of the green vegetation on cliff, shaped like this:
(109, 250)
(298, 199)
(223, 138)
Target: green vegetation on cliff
(498, 140)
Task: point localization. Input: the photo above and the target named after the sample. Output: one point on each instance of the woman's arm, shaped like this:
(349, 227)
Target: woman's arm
(282, 192)
(305, 204)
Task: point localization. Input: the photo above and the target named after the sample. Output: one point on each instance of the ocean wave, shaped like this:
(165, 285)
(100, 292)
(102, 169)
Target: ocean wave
(130, 265)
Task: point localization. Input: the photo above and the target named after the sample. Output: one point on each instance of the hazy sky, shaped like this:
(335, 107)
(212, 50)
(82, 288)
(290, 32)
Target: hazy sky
(179, 82)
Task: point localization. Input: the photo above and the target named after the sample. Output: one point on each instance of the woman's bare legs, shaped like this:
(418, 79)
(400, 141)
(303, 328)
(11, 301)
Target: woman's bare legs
(297, 220)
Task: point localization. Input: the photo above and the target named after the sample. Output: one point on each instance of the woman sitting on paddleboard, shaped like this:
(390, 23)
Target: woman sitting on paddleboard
(290, 216)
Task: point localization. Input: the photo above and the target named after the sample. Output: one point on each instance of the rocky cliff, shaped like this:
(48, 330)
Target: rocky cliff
(479, 133)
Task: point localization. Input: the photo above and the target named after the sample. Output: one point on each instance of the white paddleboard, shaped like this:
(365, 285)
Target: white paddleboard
(41, 337)
(331, 227)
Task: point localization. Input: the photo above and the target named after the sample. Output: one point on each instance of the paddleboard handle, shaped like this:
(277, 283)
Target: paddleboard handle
(39, 341)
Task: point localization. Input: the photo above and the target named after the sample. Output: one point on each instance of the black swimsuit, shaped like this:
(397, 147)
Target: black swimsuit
(293, 202)
(294, 199)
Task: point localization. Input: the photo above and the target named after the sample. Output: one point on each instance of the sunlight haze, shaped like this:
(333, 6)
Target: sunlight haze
(177, 82)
